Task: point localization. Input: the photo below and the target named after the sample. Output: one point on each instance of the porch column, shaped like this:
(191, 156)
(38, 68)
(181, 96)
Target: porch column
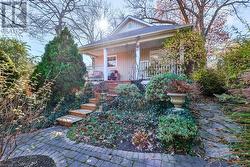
(105, 64)
(137, 59)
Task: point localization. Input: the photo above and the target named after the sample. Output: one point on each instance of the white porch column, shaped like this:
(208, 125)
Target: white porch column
(105, 64)
(137, 59)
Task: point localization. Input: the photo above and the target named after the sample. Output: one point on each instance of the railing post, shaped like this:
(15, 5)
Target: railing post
(105, 64)
(137, 59)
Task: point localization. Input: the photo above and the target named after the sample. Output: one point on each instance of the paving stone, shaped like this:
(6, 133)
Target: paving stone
(138, 164)
(69, 161)
(141, 155)
(116, 159)
(157, 162)
(75, 164)
(91, 161)
(85, 165)
(82, 157)
(105, 157)
(216, 128)
(71, 154)
(217, 150)
(99, 163)
(107, 164)
(135, 155)
(167, 164)
(126, 163)
(67, 153)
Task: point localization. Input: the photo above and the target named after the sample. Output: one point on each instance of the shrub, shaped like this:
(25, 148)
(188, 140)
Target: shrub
(128, 90)
(157, 88)
(8, 72)
(86, 92)
(211, 81)
(237, 60)
(180, 112)
(18, 54)
(19, 112)
(62, 63)
(88, 89)
(129, 97)
(192, 45)
(177, 132)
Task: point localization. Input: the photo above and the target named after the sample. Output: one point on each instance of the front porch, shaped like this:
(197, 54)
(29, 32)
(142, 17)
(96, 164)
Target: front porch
(131, 61)
(130, 51)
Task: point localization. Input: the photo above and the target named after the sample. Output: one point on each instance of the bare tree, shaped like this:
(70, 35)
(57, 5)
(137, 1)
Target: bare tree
(80, 16)
(85, 18)
(48, 16)
(208, 16)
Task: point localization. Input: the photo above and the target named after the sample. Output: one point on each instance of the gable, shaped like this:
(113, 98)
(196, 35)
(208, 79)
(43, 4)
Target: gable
(130, 24)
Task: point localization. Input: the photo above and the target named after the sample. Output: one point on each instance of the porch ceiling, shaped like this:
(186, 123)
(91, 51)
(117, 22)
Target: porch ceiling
(125, 48)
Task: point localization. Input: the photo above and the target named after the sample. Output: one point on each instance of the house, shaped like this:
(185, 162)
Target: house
(129, 50)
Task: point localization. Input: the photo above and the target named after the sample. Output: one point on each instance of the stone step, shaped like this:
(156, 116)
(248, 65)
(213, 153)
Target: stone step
(88, 106)
(93, 100)
(68, 120)
(80, 112)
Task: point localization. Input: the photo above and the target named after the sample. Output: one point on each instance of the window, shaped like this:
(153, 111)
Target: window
(112, 61)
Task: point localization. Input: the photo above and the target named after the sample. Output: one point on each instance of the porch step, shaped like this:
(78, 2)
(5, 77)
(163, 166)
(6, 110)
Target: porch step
(68, 120)
(88, 106)
(93, 100)
(80, 112)
(118, 82)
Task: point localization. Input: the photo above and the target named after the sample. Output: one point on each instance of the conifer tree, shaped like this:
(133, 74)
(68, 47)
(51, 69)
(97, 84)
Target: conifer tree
(61, 63)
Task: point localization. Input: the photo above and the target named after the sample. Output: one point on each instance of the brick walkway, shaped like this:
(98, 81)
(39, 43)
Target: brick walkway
(53, 142)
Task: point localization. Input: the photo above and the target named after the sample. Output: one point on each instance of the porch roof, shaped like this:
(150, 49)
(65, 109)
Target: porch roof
(134, 35)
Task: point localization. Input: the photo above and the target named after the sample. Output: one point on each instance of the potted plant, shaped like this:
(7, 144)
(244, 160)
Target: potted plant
(177, 91)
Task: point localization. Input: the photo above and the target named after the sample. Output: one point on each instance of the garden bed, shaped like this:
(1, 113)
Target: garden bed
(141, 120)
(123, 130)
(115, 129)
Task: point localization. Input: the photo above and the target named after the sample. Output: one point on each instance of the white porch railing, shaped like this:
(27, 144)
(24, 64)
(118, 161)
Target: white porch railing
(146, 70)
(91, 69)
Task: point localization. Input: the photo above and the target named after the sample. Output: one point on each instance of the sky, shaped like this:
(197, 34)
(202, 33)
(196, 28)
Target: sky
(37, 46)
